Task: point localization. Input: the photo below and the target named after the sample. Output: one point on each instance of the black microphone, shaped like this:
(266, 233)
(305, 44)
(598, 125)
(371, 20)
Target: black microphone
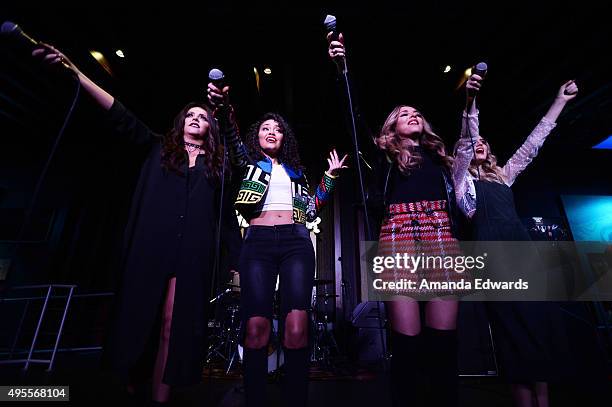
(10, 29)
(13, 31)
(330, 25)
(217, 78)
(481, 70)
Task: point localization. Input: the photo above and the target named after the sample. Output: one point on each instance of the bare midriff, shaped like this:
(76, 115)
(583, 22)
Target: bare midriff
(273, 218)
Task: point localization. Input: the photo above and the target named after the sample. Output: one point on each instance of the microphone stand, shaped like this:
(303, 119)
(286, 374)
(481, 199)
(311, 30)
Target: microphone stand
(349, 97)
(217, 264)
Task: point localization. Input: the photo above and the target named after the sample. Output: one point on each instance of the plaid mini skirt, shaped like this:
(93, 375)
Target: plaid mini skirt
(420, 230)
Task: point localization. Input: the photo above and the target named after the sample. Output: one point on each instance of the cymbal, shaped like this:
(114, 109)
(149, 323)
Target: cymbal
(326, 295)
(320, 281)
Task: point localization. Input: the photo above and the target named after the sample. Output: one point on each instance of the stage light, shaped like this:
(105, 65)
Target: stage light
(120, 53)
(605, 145)
(257, 84)
(97, 55)
(267, 71)
(101, 60)
(447, 69)
(468, 72)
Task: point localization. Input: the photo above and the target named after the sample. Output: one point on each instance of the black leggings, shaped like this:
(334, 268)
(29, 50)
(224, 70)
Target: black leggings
(268, 252)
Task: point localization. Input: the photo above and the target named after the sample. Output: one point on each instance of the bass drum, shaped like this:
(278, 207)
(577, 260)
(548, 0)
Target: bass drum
(275, 351)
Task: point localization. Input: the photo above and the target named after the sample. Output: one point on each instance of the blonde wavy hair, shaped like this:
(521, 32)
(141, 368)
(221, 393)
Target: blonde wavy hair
(489, 170)
(398, 149)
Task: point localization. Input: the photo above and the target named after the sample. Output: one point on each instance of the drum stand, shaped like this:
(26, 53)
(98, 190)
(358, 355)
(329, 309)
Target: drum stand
(324, 345)
(224, 344)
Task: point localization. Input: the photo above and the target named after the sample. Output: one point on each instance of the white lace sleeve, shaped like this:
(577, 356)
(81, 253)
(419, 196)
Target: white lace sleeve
(465, 190)
(527, 152)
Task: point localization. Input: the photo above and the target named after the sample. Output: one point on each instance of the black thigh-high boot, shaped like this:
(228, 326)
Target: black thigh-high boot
(407, 380)
(255, 376)
(442, 366)
(295, 384)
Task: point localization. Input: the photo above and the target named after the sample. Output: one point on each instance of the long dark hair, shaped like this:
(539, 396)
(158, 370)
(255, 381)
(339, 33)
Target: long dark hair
(288, 153)
(174, 156)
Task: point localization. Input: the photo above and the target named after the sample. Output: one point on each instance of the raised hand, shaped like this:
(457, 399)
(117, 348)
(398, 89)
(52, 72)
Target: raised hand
(53, 57)
(567, 91)
(335, 164)
(218, 97)
(473, 83)
(336, 49)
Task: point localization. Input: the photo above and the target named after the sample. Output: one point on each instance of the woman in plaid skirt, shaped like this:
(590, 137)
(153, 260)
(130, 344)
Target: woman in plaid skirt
(419, 204)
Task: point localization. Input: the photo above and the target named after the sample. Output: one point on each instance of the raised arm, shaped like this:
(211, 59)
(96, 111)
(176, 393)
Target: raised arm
(326, 187)
(336, 51)
(54, 57)
(528, 151)
(464, 152)
(120, 118)
(219, 98)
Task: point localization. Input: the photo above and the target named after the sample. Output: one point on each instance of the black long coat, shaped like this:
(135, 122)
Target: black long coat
(171, 232)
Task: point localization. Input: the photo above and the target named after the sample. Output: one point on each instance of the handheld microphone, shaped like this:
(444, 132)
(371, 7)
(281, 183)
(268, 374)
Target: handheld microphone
(481, 70)
(330, 26)
(217, 78)
(10, 29)
(13, 31)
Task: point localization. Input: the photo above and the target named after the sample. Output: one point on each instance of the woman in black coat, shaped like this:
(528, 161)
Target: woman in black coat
(169, 239)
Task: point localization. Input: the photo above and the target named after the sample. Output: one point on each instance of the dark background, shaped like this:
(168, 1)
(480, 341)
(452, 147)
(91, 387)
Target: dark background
(396, 55)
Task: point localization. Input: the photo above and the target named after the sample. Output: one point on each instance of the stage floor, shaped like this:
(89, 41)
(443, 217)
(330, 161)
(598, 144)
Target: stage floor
(350, 386)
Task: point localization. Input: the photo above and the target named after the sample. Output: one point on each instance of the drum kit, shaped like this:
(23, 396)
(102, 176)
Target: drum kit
(225, 329)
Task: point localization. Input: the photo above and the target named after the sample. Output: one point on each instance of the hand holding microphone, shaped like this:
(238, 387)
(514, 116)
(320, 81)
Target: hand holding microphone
(218, 92)
(44, 52)
(336, 49)
(474, 82)
(53, 57)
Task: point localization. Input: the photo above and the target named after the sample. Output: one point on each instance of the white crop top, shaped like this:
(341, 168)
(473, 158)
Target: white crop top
(279, 197)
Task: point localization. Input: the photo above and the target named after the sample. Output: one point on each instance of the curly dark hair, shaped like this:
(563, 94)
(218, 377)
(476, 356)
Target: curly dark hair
(173, 154)
(288, 153)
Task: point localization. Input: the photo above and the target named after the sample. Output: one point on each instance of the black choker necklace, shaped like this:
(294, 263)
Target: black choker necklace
(192, 147)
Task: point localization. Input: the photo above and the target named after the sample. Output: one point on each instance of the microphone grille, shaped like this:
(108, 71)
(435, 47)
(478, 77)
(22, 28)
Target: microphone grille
(8, 27)
(480, 68)
(330, 23)
(215, 74)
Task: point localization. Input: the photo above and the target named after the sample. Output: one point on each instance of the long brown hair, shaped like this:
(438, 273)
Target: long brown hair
(400, 152)
(174, 156)
(489, 170)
